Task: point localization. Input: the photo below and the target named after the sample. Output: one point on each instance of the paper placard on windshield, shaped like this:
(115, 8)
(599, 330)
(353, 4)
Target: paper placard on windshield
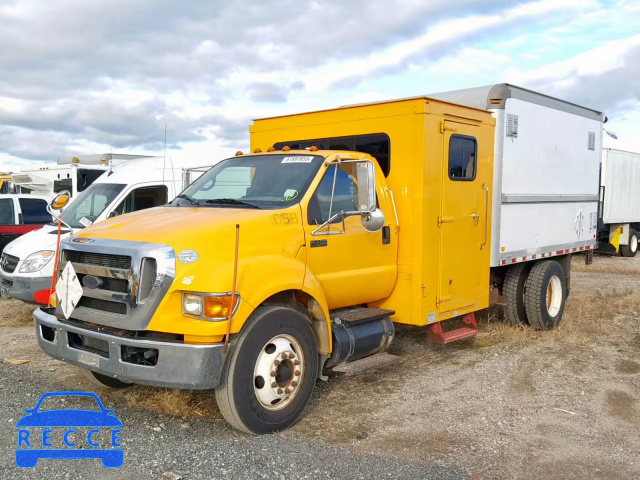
(298, 159)
(85, 222)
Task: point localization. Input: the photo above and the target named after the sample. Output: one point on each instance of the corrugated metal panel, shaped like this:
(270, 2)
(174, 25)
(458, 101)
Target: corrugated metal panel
(472, 97)
(622, 187)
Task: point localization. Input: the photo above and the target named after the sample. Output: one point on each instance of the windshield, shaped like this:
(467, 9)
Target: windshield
(85, 209)
(257, 181)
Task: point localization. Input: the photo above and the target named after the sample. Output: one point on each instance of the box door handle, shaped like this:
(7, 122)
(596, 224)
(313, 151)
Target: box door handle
(486, 217)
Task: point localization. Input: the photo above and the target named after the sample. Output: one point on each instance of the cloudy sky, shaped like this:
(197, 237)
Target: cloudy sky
(82, 76)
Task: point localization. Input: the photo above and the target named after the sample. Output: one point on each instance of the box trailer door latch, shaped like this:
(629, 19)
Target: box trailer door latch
(442, 219)
(445, 128)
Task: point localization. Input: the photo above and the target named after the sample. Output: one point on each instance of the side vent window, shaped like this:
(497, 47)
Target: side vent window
(591, 143)
(512, 125)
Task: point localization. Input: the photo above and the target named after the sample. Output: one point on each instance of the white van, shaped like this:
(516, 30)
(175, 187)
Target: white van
(26, 267)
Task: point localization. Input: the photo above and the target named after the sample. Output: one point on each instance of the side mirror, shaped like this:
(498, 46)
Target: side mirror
(373, 221)
(60, 200)
(366, 178)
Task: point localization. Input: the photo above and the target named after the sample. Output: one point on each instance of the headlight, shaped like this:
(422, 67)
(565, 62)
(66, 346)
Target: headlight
(35, 261)
(209, 306)
(192, 304)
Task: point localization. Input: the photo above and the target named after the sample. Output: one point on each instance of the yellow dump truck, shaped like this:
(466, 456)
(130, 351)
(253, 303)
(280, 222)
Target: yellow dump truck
(302, 255)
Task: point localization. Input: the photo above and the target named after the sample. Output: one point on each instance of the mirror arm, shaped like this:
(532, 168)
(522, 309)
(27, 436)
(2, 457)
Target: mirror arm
(58, 218)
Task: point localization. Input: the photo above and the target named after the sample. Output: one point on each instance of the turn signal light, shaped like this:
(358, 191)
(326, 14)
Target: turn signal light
(219, 307)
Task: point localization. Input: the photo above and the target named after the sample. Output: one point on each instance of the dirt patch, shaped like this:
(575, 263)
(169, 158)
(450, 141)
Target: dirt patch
(15, 313)
(622, 405)
(628, 366)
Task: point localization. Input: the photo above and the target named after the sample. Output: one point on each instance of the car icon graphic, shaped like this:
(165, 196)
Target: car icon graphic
(44, 421)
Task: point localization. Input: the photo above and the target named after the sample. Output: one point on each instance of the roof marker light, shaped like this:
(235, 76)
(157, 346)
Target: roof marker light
(313, 149)
(271, 149)
(238, 153)
(257, 150)
(285, 149)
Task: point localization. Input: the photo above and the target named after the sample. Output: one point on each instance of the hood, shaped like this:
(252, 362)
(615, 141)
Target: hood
(209, 231)
(41, 239)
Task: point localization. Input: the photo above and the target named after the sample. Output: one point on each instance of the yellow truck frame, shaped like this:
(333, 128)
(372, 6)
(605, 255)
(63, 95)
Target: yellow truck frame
(158, 304)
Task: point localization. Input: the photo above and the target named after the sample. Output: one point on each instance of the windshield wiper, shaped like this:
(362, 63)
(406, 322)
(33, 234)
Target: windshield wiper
(231, 201)
(187, 197)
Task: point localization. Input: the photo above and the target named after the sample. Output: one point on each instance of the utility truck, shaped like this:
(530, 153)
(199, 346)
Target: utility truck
(27, 263)
(619, 213)
(277, 265)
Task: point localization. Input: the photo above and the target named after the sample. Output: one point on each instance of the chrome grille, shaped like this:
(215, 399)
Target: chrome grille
(130, 280)
(8, 263)
(100, 259)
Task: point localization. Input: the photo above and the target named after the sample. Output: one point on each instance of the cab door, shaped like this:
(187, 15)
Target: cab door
(464, 222)
(352, 265)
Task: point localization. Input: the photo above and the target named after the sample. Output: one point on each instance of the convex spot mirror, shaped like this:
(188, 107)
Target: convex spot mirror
(60, 200)
(372, 217)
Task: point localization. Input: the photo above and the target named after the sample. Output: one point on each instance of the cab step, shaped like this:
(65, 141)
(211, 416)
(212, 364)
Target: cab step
(378, 360)
(355, 315)
(436, 335)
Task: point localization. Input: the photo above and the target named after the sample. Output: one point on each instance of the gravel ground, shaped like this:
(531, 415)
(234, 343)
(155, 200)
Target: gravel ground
(512, 404)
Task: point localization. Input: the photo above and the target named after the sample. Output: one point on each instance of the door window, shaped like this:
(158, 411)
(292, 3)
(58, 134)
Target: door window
(34, 211)
(141, 198)
(6, 212)
(463, 159)
(345, 198)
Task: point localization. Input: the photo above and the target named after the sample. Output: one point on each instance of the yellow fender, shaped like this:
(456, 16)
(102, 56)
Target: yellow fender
(272, 274)
(615, 239)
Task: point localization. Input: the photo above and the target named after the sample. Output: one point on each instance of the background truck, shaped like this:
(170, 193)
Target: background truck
(74, 174)
(303, 254)
(619, 212)
(26, 265)
(20, 214)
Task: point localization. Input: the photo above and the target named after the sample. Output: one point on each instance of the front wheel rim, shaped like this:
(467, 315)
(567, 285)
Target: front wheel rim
(278, 372)
(554, 296)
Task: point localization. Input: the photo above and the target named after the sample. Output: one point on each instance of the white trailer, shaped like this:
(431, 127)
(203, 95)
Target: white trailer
(619, 214)
(545, 189)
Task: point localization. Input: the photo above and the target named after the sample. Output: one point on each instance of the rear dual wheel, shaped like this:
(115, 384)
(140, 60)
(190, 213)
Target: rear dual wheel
(535, 294)
(270, 371)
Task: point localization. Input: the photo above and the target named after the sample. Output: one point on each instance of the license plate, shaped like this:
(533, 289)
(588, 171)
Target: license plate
(4, 292)
(89, 359)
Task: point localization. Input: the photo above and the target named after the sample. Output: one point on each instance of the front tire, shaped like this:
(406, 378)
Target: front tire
(270, 371)
(545, 295)
(631, 249)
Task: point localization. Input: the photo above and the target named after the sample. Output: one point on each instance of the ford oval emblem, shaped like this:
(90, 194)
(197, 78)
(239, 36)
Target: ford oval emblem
(188, 256)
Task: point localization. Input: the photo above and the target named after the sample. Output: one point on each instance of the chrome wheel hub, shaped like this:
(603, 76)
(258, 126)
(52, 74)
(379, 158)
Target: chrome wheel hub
(278, 372)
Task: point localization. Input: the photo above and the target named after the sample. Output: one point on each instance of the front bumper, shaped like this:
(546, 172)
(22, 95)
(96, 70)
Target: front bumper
(24, 288)
(178, 365)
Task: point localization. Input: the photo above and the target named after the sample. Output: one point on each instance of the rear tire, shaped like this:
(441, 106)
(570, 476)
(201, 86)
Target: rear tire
(545, 295)
(631, 249)
(105, 381)
(270, 371)
(513, 290)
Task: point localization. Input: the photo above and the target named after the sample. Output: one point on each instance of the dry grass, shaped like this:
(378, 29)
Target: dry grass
(606, 264)
(179, 403)
(15, 313)
(587, 318)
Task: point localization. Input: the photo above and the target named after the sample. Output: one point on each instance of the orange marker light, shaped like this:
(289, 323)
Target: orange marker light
(271, 149)
(238, 153)
(313, 149)
(257, 150)
(218, 307)
(285, 149)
